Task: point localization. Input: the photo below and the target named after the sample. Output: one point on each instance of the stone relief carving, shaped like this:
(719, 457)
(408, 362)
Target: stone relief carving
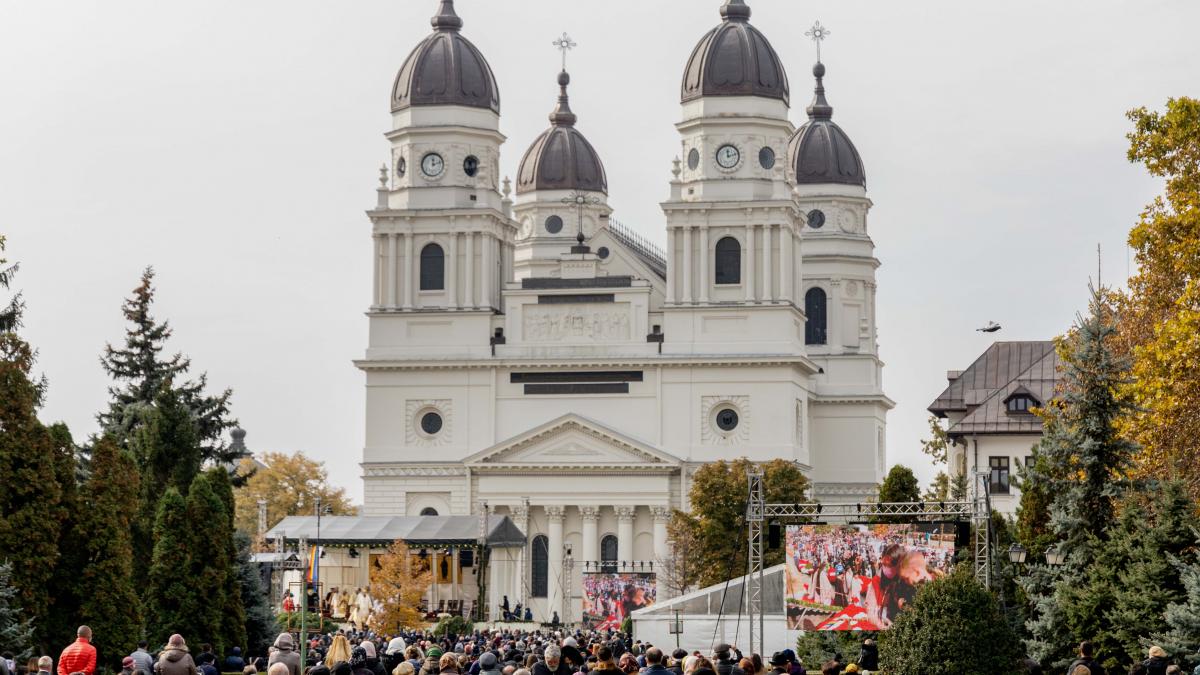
(573, 323)
(847, 220)
(710, 433)
(799, 422)
(413, 471)
(852, 289)
(414, 409)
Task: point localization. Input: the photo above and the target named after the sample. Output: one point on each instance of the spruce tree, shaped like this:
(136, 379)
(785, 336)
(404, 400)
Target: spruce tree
(141, 369)
(1081, 454)
(16, 628)
(1182, 636)
(64, 587)
(167, 581)
(261, 625)
(206, 564)
(10, 311)
(29, 498)
(110, 604)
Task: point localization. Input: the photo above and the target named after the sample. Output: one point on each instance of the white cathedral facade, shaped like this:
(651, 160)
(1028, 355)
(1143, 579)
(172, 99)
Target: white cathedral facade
(529, 353)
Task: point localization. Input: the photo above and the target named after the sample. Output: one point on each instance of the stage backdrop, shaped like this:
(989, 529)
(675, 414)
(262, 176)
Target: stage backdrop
(609, 597)
(860, 577)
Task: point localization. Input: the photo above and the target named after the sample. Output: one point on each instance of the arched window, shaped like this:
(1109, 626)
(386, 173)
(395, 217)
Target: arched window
(433, 266)
(429, 511)
(540, 581)
(728, 261)
(814, 308)
(608, 553)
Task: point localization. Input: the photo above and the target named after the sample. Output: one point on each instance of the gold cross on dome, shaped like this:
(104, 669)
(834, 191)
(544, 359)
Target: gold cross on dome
(564, 44)
(818, 33)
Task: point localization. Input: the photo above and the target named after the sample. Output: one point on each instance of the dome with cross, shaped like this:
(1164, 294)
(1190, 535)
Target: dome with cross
(446, 69)
(820, 152)
(734, 59)
(561, 158)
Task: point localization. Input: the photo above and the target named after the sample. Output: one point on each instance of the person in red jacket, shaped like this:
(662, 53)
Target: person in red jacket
(79, 656)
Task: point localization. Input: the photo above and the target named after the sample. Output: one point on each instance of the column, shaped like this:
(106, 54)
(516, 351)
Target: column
(554, 533)
(785, 263)
(520, 516)
(391, 271)
(750, 256)
(408, 270)
(625, 533)
(768, 291)
(591, 536)
(452, 272)
(705, 261)
(455, 590)
(469, 301)
(662, 548)
(671, 266)
(485, 266)
(687, 265)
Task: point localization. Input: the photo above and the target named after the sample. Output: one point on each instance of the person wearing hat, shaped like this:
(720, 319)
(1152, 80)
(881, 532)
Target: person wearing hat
(852, 668)
(128, 666)
(488, 664)
(175, 659)
(1157, 663)
(779, 664)
(724, 662)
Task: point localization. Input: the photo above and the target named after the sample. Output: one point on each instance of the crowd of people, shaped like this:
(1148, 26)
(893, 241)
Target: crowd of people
(490, 652)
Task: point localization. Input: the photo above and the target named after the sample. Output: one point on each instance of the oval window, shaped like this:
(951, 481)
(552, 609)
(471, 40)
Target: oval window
(727, 419)
(554, 224)
(431, 423)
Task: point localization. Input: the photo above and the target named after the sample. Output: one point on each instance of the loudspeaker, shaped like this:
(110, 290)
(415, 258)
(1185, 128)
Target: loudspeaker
(774, 535)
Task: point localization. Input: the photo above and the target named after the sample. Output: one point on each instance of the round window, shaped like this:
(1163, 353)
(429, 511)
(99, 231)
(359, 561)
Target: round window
(603, 252)
(431, 423)
(816, 219)
(766, 158)
(401, 167)
(554, 224)
(471, 165)
(693, 159)
(727, 419)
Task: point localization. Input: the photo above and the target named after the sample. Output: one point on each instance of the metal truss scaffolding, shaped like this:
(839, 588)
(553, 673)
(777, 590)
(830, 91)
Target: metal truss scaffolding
(758, 512)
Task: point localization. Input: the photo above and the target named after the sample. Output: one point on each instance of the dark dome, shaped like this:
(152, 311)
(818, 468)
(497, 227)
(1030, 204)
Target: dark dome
(446, 69)
(734, 59)
(820, 152)
(561, 158)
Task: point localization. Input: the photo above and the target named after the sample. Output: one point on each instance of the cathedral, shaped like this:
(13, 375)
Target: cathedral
(530, 357)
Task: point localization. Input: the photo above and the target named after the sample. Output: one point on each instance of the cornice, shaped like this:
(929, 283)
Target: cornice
(377, 470)
(666, 361)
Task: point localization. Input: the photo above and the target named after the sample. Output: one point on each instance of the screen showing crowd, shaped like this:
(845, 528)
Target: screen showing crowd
(860, 577)
(609, 597)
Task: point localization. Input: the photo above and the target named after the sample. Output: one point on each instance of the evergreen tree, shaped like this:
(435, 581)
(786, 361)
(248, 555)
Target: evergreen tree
(954, 626)
(1182, 637)
(1033, 511)
(233, 616)
(61, 620)
(261, 627)
(900, 485)
(16, 628)
(10, 311)
(141, 370)
(167, 581)
(1081, 454)
(206, 565)
(110, 605)
(30, 496)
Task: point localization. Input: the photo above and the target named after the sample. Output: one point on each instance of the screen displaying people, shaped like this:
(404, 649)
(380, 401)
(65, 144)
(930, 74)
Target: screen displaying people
(610, 597)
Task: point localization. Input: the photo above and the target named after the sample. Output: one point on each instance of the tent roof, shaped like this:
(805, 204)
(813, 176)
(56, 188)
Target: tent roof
(383, 530)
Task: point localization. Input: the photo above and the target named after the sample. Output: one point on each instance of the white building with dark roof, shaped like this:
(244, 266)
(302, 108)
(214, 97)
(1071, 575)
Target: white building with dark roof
(988, 412)
(528, 352)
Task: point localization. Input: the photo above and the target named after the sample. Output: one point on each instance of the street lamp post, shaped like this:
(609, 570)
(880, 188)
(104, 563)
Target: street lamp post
(1017, 554)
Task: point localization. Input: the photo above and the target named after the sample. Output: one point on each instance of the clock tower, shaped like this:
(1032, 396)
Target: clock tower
(443, 237)
(732, 225)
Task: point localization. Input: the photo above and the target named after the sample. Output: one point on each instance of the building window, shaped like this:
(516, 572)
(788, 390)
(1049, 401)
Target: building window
(1021, 404)
(608, 553)
(729, 261)
(998, 482)
(540, 581)
(433, 265)
(429, 511)
(814, 309)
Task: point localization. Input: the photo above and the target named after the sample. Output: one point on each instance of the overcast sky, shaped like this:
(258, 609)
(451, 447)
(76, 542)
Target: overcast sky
(234, 146)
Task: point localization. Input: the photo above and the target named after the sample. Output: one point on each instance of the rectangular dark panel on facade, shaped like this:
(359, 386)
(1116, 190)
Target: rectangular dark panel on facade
(586, 376)
(550, 283)
(569, 388)
(580, 298)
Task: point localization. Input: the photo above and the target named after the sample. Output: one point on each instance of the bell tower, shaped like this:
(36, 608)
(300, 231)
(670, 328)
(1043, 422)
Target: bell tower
(443, 240)
(732, 225)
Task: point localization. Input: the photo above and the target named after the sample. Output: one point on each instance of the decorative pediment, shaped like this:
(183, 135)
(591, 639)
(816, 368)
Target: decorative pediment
(572, 441)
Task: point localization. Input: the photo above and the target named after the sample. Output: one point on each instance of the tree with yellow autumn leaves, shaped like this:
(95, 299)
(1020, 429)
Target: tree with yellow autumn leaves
(399, 580)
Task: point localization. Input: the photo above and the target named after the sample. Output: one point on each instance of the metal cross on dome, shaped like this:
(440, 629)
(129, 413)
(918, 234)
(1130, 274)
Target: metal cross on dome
(580, 200)
(818, 33)
(564, 45)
